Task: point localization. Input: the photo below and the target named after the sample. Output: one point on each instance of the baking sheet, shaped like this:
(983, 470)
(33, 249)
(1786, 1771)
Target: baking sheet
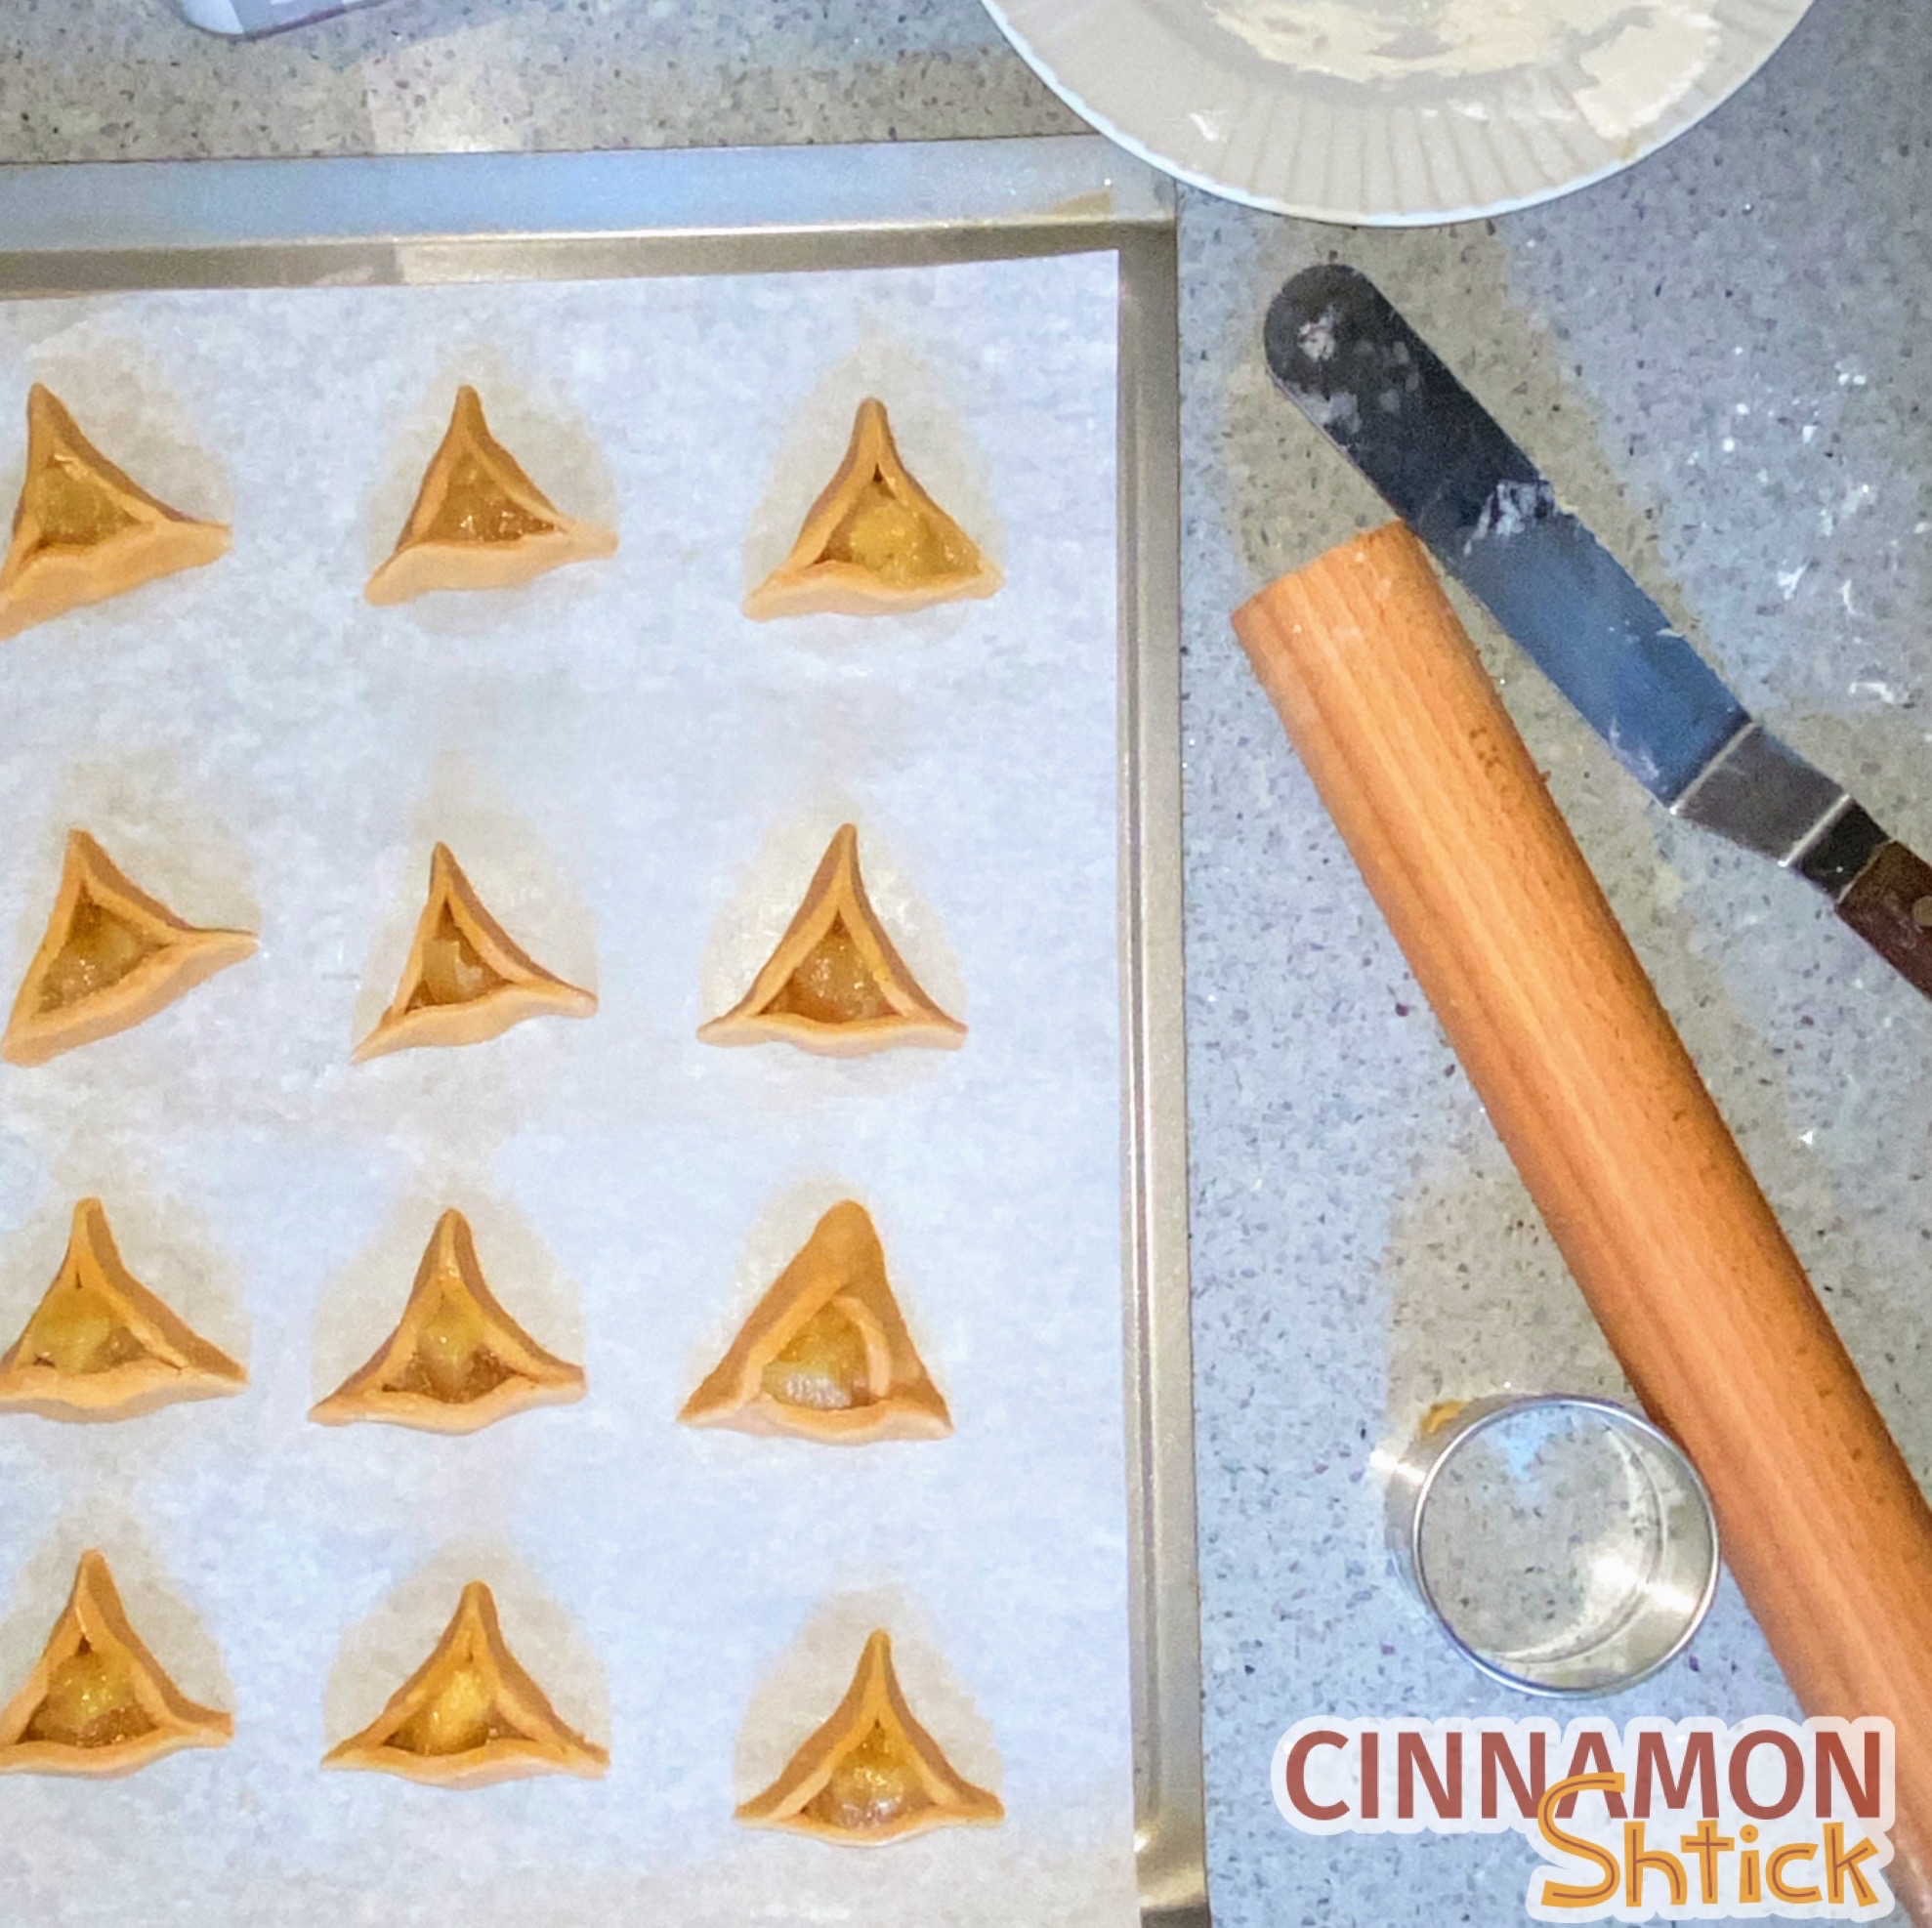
(639, 782)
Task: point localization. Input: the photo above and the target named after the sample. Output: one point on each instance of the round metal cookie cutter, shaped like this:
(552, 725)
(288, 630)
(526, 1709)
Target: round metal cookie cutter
(1564, 1543)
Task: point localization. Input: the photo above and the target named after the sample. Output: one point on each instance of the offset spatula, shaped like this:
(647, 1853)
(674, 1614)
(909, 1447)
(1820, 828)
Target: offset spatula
(1362, 376)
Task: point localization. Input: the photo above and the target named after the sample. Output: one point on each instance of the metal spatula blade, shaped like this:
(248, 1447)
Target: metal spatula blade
(1343, 355)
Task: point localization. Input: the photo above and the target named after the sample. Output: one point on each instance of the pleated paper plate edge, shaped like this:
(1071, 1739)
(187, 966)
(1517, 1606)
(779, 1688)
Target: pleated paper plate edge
(1248, 132)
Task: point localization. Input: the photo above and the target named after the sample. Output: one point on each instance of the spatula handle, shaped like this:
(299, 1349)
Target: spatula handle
(1646, 1191)
(1889, 905)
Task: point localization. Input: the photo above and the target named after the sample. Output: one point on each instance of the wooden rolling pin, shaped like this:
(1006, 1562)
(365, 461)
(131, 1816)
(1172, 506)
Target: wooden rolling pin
(1701, 1296)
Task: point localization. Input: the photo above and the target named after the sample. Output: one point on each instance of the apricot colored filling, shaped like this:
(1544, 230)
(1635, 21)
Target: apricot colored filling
(90, 1702)
(99, 950)
(872, 1786)
(452, 1362)
(890, 539)
(475, 509)
(71, 510)
(834, 985)
(462, 1717)
(453, 970)
(824, 1368)
(77, 1331)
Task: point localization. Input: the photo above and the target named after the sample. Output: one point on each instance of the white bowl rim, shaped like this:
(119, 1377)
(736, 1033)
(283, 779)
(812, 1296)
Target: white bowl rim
(1755, 29)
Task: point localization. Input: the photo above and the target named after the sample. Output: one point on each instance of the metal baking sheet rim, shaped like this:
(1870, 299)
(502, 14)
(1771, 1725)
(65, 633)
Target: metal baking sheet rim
(82, 228)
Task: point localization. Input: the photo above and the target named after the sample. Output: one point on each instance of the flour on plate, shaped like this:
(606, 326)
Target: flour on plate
(1626, 61)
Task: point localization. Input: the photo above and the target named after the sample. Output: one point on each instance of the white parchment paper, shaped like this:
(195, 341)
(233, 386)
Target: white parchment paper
(639, 782)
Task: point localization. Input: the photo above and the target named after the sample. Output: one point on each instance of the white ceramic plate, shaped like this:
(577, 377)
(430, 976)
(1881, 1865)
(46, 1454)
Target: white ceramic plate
(1394, 112)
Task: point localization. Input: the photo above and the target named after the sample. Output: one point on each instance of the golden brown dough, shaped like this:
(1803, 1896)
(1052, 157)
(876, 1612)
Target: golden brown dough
(480, 522)
(456, 1362)
(835, 984)
(826, 1354)
(111, 956)
(96, 1701)
(874, 544)
(470, 1715)
(871, 1773)
(83, 530)
(100, 1345)
(466, 978)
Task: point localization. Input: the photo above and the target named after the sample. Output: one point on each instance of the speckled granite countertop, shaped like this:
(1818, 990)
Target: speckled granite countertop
(1722, 358)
